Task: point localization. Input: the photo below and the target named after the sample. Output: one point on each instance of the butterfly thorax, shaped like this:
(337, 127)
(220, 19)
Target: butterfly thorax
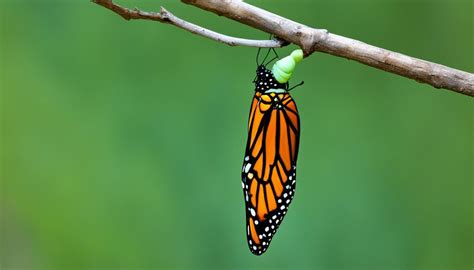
(266, 81)
(273, 98)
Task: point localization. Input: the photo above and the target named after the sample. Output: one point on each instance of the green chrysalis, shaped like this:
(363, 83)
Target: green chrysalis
(283, 68)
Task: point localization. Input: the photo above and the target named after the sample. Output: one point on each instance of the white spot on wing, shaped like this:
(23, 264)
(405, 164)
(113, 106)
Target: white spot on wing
(247, 167)
(252, 212)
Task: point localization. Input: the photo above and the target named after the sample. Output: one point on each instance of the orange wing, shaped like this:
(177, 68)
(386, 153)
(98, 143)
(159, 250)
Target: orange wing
(269, 170)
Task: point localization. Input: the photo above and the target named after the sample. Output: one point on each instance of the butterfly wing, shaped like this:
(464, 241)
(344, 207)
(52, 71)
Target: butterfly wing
(269, 170)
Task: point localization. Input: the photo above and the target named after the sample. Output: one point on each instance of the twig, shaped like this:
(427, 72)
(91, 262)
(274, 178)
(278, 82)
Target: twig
(311, 40)
(165, 16)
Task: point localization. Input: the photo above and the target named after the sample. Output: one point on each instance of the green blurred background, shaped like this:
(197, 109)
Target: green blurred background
(122, 142)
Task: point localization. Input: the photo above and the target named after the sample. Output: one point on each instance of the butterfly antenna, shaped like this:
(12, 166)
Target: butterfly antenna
(274, 58)
(258, 54)
(275, 52)
(266, 55)
(300, 84)
(271, 60)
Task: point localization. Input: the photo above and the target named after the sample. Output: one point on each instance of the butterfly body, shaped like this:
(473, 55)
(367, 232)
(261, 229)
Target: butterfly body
(269, 168)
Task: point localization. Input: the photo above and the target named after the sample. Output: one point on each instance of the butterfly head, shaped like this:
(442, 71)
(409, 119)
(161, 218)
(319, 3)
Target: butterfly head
(265, 80)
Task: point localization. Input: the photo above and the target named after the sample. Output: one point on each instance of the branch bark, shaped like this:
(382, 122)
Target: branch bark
(165, 16)
(309, 39)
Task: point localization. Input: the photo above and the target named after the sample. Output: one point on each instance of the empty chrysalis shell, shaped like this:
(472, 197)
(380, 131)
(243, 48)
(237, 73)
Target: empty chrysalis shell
(283, 68)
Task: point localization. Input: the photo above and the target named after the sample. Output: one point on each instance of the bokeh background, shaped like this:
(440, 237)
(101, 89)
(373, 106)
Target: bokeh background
(122, 142)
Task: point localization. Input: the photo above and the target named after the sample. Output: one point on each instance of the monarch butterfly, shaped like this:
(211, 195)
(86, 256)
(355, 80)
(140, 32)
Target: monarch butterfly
(269, 168)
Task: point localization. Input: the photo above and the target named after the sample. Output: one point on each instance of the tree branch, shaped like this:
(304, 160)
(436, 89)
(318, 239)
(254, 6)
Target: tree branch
(165, 16)
(309, 39)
